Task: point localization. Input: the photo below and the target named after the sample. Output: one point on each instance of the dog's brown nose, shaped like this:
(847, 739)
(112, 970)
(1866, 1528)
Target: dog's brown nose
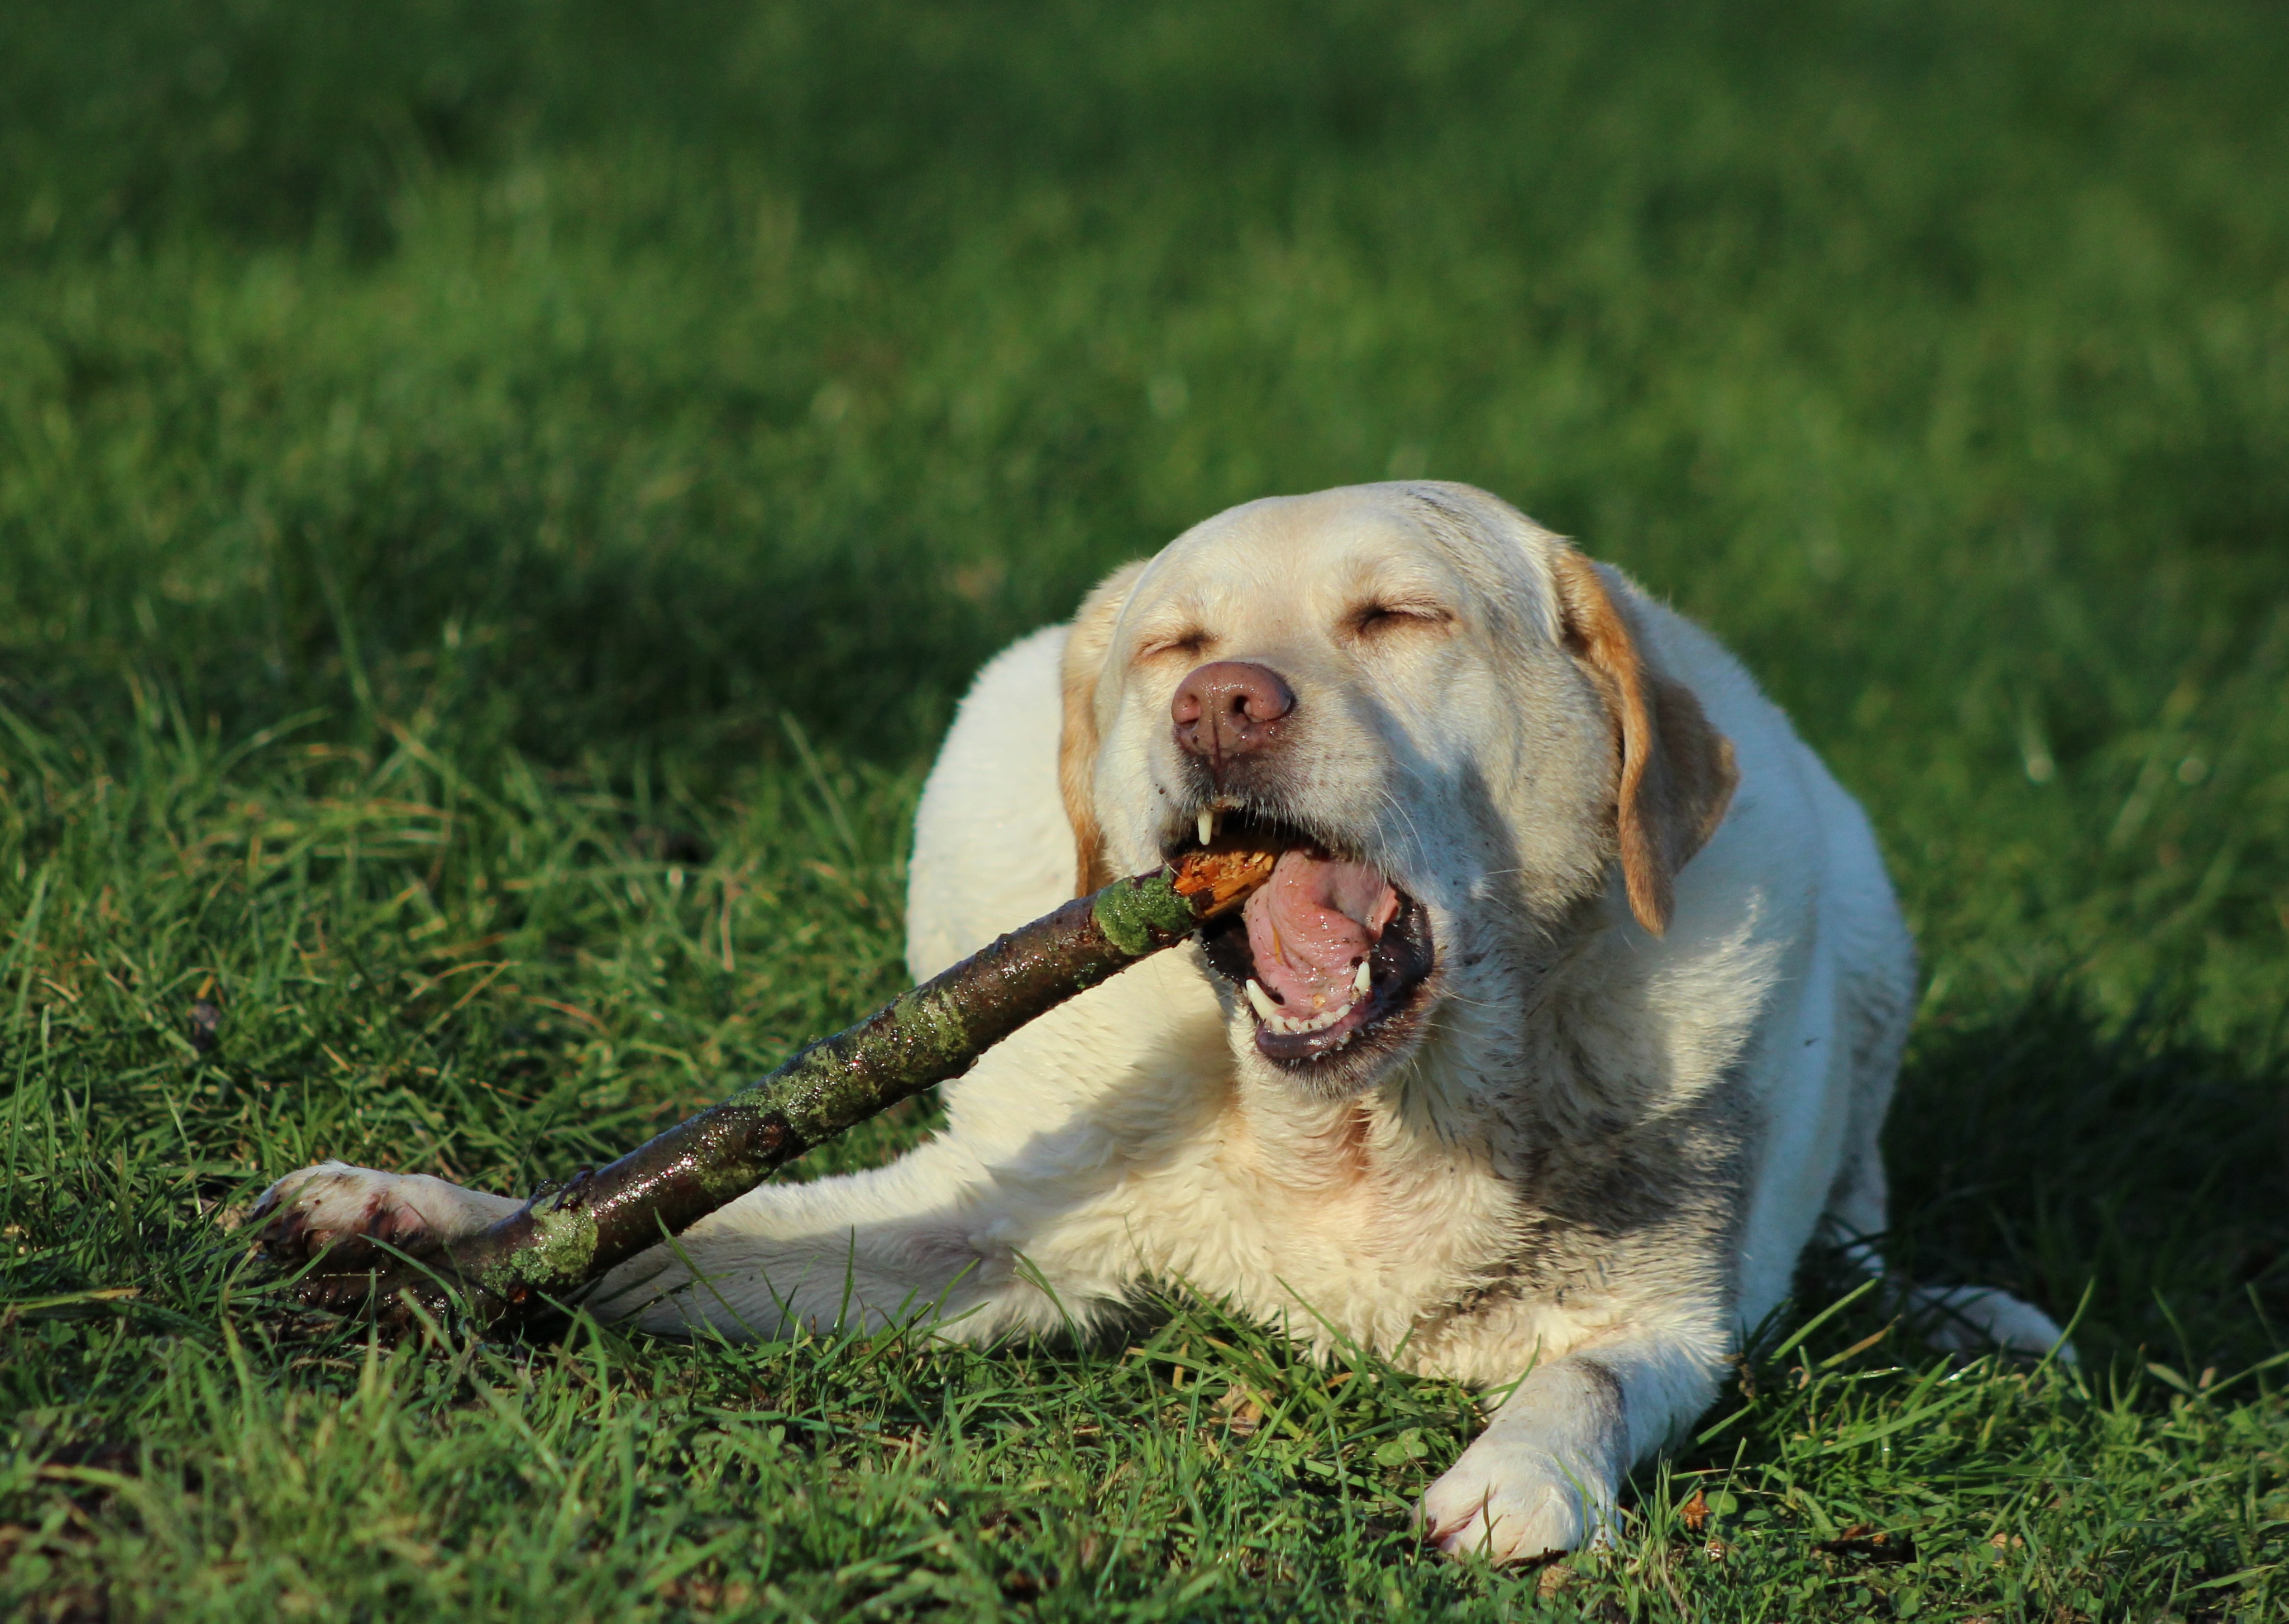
(1228, 708)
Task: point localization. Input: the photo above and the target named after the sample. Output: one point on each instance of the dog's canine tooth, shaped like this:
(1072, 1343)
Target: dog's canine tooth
(1260, 1000)
(1360, 981)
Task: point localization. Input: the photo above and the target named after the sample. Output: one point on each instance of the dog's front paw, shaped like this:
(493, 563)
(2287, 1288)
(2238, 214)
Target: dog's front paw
(1509, 1501)
(319, 1208)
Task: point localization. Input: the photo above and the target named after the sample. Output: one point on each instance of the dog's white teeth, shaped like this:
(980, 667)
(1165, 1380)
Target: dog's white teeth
(1274, 1018)
(1359, 982)
(1295, 1026)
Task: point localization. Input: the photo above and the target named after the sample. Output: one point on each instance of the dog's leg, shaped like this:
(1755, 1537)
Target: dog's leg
(1970, 1319)
(933, 1238)
(1977, 1319)
(1543, 1475)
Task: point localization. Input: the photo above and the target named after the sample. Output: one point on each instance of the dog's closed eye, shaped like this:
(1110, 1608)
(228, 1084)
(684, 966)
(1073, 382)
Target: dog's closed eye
(1190, 643)
(1380, 618)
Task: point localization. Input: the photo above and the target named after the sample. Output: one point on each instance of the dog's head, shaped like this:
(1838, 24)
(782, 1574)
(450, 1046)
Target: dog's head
(1438, 711)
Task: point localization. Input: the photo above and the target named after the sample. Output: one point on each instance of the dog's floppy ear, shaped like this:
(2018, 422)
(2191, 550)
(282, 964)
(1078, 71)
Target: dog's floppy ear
(1083, 661)
(1678, 771)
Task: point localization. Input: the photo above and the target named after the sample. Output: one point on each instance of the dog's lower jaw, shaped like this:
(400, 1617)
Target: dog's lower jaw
(1346, 1074)
(1368, 1054)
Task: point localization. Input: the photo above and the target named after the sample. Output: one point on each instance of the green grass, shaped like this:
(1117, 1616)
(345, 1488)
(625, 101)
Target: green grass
(496, 502)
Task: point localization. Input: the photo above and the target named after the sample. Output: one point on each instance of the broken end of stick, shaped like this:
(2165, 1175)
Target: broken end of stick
(1146, 913)
(1216, 881)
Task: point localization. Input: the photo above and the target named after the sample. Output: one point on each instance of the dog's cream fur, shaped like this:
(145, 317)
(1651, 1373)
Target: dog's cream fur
(1645, 1071)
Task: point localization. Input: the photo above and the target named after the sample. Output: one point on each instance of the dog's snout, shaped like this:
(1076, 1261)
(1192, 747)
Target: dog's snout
(1228, 708)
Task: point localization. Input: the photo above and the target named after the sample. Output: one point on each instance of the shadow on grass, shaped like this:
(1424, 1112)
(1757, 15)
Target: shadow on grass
(2045, 1150)
(687, 651)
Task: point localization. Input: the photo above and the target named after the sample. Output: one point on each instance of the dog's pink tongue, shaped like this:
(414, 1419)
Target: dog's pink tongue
(1311, 924)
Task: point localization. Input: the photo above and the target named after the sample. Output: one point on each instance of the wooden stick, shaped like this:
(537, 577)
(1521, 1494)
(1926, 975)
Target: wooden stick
(525, 1270)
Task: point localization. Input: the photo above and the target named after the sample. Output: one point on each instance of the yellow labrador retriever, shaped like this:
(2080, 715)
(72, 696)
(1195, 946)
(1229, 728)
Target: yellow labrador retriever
(1568, 1017)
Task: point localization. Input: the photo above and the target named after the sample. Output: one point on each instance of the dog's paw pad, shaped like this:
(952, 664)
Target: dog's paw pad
(307, 1212)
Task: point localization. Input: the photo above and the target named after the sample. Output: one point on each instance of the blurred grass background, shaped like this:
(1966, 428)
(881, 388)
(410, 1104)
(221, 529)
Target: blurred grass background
(497, 501)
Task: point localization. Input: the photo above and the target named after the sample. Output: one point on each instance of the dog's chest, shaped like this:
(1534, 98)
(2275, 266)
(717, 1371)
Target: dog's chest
(1371, 1223)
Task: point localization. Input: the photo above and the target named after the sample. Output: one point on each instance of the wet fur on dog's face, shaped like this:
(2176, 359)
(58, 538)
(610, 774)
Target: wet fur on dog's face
(1450, 775)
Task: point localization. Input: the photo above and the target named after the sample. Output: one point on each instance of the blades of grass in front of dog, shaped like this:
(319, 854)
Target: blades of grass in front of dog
(519, 1273)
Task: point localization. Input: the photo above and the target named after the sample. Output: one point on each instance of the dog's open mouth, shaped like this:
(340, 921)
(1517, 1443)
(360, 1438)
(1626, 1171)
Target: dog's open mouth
(1328, 953)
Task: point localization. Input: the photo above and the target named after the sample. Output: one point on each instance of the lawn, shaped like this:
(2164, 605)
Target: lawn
(497, 501)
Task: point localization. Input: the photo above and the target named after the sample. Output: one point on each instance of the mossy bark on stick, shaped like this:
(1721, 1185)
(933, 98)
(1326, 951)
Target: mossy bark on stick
(522, 1272)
